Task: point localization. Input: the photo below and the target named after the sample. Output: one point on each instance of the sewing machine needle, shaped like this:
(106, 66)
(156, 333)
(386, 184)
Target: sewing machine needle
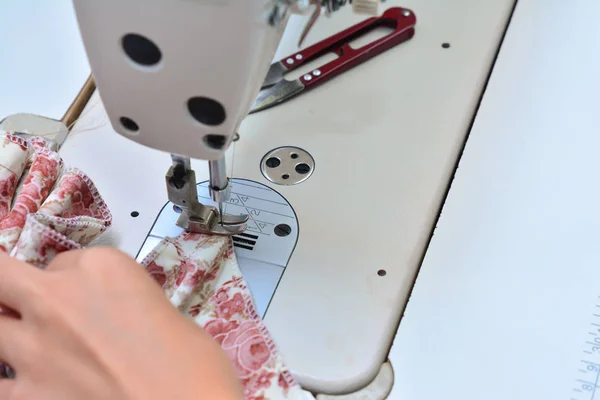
(221, 212)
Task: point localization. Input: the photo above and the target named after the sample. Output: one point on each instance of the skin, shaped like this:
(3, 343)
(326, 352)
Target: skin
(94, 325)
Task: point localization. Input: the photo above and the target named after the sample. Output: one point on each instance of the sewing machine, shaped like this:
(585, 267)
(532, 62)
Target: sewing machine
(330, 260)
(506, 301)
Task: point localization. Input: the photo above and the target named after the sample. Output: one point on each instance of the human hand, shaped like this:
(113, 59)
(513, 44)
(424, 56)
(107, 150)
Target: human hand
(93, 326)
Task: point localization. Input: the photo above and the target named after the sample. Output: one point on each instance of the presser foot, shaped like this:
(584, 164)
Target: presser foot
(195, 216)
(227, 226)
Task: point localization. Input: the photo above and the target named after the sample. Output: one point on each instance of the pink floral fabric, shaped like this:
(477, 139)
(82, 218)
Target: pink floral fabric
(200, 276)
(45, 209)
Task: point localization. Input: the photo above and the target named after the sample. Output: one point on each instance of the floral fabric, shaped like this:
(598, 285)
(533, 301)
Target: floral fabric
(44, 208)
(200, 276)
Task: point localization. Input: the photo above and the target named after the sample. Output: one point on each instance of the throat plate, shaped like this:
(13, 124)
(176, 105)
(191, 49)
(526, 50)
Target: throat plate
(263, 250)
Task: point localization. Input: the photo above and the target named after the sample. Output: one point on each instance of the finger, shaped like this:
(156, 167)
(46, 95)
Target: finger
(96, 257)
(18, 282)
(65, 260)
(12, 340)
(6, 388)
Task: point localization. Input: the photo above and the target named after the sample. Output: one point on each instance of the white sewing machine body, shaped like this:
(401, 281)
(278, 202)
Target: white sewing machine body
(384, 137)
(143, 66)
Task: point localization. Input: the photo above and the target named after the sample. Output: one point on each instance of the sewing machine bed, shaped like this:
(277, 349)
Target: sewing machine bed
(385, 138)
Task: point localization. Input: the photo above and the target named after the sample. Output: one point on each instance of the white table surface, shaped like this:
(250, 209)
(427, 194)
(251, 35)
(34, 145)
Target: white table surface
(504, 304)
(43, 63)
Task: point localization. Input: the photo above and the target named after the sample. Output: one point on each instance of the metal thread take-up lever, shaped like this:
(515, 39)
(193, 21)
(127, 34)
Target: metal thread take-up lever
(195, 216)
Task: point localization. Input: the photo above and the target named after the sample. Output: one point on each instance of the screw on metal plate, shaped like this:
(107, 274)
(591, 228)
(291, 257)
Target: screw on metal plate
(287, 165)
(282, 230)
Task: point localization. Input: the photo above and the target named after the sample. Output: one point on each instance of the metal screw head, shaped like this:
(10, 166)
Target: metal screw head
(289, 61)
(406, 13)
(283, 230)
(307, 77)
(298, 56)
(317, 72)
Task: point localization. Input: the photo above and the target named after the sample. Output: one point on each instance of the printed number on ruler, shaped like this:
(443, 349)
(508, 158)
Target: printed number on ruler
(588, 374)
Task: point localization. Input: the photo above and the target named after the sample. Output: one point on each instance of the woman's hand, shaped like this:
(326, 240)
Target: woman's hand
(94, 325)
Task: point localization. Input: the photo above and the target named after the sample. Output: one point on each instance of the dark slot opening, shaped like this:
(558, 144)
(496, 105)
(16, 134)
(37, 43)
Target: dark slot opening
(244, 241)
(242, 246)
(248, 235)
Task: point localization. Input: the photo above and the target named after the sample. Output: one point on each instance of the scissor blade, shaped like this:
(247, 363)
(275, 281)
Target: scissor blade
(274, 75)
(277, 94)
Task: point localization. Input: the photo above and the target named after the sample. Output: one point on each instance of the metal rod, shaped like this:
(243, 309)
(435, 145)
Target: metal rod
(76, 108)
(218, 182)
(218, 173)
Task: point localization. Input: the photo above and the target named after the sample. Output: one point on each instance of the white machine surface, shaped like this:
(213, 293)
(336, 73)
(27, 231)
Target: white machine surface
(506, 304)
(385, 137)
(43, 60)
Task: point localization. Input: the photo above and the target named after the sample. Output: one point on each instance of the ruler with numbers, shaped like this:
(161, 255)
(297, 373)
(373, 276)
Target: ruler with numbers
(588, 375)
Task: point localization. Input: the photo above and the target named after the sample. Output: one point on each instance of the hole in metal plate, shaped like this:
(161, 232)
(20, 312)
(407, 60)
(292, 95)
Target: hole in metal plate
(287, 165)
